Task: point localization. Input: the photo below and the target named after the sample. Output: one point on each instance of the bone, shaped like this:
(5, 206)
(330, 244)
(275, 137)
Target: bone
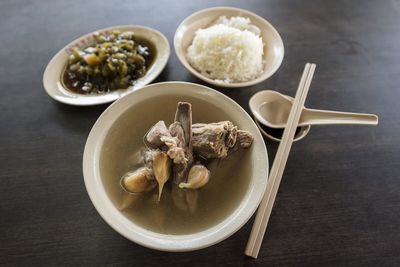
(182, 130)
(183, 115)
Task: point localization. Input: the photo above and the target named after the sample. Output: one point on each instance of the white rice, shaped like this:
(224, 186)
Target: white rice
(229, 51)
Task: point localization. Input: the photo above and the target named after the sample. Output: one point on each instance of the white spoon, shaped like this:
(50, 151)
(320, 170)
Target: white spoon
(272, 109)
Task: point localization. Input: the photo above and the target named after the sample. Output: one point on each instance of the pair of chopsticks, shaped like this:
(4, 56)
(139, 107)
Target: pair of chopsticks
(275, 177)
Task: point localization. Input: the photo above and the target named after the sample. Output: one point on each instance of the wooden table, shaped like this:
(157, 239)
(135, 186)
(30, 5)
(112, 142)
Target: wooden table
(339, 201)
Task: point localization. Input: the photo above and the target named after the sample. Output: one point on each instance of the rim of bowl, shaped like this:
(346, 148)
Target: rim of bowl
(185, 63)
(71, 98)
(165, 242)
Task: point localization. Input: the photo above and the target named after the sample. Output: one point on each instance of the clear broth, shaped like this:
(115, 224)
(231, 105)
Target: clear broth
(217, 200)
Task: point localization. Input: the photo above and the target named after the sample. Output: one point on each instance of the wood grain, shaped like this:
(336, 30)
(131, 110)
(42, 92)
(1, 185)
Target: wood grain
(339, 200)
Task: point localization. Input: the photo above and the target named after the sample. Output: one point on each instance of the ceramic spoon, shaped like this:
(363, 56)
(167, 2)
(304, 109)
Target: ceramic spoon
(272, 109)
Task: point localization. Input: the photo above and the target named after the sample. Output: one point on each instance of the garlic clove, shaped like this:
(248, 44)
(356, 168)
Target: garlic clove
(138, 181)
(198, 176)
(161, 170)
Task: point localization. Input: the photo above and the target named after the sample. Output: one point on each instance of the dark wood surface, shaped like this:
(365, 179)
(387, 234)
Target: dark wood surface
(339, 201)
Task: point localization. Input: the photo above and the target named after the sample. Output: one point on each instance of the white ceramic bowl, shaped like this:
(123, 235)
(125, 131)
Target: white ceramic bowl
(298, 136)
(257, 101)
(273, 45)
(154, 96)
(53, 74)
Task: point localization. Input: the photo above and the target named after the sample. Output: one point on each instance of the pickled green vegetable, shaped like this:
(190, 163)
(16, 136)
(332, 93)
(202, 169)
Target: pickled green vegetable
(114, 62)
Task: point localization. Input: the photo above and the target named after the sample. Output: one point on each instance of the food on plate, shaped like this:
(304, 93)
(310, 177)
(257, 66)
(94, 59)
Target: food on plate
(229, 51)
(115, 61)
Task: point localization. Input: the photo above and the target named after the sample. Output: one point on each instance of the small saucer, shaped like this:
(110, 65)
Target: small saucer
(274, 134)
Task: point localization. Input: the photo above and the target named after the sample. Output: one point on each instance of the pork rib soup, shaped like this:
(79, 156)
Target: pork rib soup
(171, 195)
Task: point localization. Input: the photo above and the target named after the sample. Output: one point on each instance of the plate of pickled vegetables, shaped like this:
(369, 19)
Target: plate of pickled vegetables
(106, 64)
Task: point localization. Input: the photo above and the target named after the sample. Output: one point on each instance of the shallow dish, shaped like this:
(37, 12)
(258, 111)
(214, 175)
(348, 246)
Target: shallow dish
(300, 134)
(52, 77)
(256, 102)
(273, 45)
(115, 129)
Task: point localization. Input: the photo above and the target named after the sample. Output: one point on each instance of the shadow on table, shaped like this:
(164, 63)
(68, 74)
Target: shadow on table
(76, 118)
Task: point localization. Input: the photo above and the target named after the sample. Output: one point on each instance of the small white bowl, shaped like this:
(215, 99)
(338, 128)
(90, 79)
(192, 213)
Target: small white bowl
(103, 137)
(257, 101)
(273, 45)
(300, 135)
(53, 74)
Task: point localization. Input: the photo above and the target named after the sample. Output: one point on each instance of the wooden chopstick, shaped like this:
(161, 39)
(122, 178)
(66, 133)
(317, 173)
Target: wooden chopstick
(265, 208)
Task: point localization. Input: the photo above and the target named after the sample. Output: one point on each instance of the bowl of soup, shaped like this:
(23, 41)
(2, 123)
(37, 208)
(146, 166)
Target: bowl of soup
(179, 219)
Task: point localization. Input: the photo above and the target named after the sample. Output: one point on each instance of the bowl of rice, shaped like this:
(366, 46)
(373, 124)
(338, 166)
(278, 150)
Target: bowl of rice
(228, 47)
